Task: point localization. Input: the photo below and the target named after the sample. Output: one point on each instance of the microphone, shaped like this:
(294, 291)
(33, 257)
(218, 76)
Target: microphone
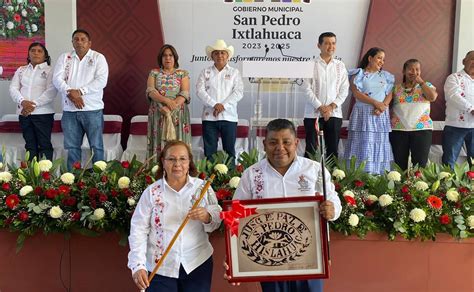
(267, 49)
(284, 55)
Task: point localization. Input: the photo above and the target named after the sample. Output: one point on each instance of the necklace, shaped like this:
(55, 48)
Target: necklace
(409, 91)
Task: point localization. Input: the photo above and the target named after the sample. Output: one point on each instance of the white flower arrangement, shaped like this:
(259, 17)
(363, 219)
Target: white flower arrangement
(421, 185)
(234, 182)
(385, 200)
(154, 169)
(452, 195)
(100, 165)
(373, 198)
(394, 176)
(348, 193)
(99, 213)
(56, 212)
(5, 176)
(338, 174)
(26, 190)
(444, 174)
(131, 201)
(417, 215)
(67, 178)
(221, 168)
(470, 222)
(45, 165)
(123, 182)
(353, 220)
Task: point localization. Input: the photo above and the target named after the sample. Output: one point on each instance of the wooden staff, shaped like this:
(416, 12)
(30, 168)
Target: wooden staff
(185, 221)
(323, 174)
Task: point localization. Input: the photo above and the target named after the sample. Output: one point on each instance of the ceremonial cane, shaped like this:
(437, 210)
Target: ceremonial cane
(323, 175)
(181, 227)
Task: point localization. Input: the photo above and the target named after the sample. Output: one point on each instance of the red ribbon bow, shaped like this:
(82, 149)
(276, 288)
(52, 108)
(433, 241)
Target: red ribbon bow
(231, 218)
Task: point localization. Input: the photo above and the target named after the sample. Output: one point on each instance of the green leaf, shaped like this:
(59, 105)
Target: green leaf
(36, 168)
(20, 241)
(461, 226)
(463, 234)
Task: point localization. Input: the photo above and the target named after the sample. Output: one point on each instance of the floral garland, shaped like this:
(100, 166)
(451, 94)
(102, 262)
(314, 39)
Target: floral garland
(21, 18)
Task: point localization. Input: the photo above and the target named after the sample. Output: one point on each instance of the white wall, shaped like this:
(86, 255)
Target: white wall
(464, 32)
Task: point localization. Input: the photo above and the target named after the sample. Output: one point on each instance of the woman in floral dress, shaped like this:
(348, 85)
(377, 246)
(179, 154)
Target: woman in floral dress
(369, 124)
(168, 93)
(412, 126)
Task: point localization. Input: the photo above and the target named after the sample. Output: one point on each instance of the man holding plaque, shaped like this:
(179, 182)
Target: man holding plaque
(284, 174)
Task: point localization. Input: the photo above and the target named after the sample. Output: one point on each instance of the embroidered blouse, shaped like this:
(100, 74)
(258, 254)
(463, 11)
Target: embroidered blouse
(459, 96)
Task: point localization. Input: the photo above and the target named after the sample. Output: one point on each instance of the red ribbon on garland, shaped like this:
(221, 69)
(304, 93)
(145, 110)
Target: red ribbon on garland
(231, 218)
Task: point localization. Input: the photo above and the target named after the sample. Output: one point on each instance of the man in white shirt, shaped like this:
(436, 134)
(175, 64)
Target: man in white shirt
(284, 174)
(80, 76)
(326, 93)
(459, 123)
(220, 88)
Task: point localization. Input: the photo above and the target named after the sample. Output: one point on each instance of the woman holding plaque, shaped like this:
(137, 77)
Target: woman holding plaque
(412, 127)
(369, 123)
(162, 208)
(168, 93)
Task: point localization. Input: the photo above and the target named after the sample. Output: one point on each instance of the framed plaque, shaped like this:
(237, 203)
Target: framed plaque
(285, 240)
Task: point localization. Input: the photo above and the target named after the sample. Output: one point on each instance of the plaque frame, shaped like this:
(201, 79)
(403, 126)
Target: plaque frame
(237, 250)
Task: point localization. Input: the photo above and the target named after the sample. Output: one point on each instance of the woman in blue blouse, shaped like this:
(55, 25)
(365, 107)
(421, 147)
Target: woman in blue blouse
(369, 124)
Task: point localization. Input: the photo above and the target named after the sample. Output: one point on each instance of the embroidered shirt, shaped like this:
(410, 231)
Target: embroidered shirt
(330, 84)
(89, 75)
(225, 87)
(303, 178)
(34, 84)
(411, 110)
(459, 96)
(158, 215)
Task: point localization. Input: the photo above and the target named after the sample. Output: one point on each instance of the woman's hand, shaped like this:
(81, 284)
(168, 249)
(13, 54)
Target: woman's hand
(164, 110)
(227, 277)
(200, 214)
(171, 104)
(140, 278)
(380, 106)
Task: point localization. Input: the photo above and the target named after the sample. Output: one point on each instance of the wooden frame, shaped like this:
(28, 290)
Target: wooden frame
(286, 240)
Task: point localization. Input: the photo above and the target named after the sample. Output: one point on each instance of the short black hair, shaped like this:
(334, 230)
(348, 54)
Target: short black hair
(80, 30)
(327, 34)
(281, 124)
(47, 58)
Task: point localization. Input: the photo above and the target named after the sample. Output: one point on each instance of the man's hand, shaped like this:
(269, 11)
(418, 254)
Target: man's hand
(200, 214)
(28, 107)
(75, 97)
(327, 210)
(326, 111)
(140, 278)
(218, 108)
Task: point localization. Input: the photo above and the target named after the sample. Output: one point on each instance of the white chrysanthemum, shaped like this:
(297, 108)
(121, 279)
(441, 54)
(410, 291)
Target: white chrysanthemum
(349, 194)
(385, 200)
(25, 190)
(353, 220)
(234, 182)
(34, 9)
(10, 8)
(221, 168)
(417, 215)
(373, 198)
(34, 28)
(5, 176)
(154, 169)
(1, 165)
(339, 174)
(131, 201)
(45, 165)
(55, 212)
(10, 25)
(67, 178)
(24, 13)
(444, 174)
(123, 182)
(19, 1)
(394, 175)
(99, 213)
(421, 186)
(452, 195)
(470, 222)
(100, 165)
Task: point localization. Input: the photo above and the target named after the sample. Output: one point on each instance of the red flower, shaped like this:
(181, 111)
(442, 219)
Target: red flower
(23, 216)
(51, 193)
(64, 190)
(239, 168)
(69, 201)
(104, 179)
(113, 193)
(81, 185)
(368, 202)
(17, 17)
(6, 187)
(125, 164)
(46, 175)
(463, 190)
(337, 187)
(75, 216)
(127, 193)
(418, 174)
(23, 164)
(148, 179)
(76, 165)
(38, 191)
(434, 202)
(202, 175)
(350, 200)
(458, 205)
(186, 128)
(103, 198)
(444, 219)
(358, 183)
(93, 192)
(369, 214)
(470, 174)
(223, 194)
(407, 198)
(12, 201)
(405, 189)
(21, 27)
